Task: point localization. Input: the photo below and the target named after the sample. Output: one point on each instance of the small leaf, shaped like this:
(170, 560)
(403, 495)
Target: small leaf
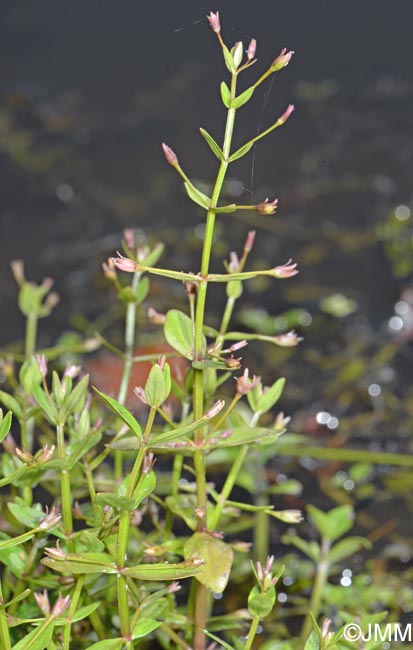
(107, 644)
(312, 642)
(122, 412)
(43, 401)
(241, 152)
(225, 94)
(24, 514)
(82, 563)
(243, 98)
(261, 603)
(144, 489)
(114, 501)
(144, 626)
(179, 333)
(217, 557)
(332, 524)
(229, 60)
(241, 436)
(5, 424)
(84, 612)
(198, 197)
(37, 639)
(347, 547)
(142, 290)
(163, 571)
(11, 403)
(270, 397)
(158, 385)
(221, 642)
(75, 400)
(215, 148)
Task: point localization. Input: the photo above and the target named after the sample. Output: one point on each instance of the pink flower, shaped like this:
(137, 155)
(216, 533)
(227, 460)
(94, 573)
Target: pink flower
(170, 154)
(61, 605)
(282, 60)
(287, 340)
(124, 264)
(42, 363)
(249, 242)
(251, 49)
(245, 384)
(284, 117)
(287, 270)
(267, 206)
(214, 22)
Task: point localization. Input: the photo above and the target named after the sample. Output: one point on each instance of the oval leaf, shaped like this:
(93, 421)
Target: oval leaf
(217, 557)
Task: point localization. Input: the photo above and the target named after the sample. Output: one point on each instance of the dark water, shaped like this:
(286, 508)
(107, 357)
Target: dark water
(90, 89)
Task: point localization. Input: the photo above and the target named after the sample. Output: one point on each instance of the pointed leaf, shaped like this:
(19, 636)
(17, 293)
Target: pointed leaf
(271, 396)
(5, 424)
(11, 403)
(144, 626)
(229, 60)
(347, 547)
(158, 385)
(107, 644)
(241, 152)
(217, 557)
(114, 501)
(225, 94)
(121, 412)
(179, 332)
(332, 524)
(37, 639)
(243, 98)
(215, 148)
(163, 571)
(43, 401)
(198, 197)
(241, 436)
(75, 400)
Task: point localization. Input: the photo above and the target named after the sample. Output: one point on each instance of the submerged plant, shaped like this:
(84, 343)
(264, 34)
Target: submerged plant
(131, 553)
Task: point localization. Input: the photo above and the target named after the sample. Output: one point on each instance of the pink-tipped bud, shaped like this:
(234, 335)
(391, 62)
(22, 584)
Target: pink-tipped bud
(17, 268)
(125, 264)
(287, 340)
(45, 455)
(282, 60)
(52, 300)
(170, 155)
(25, 456)
(245, 384)
(155, 317)
(238, 346)
(325, 628)
(71, 371)
(249, 242)
(281, 422)
(109, 270)
(267, 206)
(55, 553)
(129, 237)
(287, 270)
(215, 409)
(42, 601)
(42, 363)
(51, 519)
(284, 117)
(61, 605)
(140, 393)
(148, 463)
(214, 21)
(252, 47)
(233, 266)
(174, 587)
(289, 516)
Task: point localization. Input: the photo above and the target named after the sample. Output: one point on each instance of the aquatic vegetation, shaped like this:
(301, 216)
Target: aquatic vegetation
(124, 526)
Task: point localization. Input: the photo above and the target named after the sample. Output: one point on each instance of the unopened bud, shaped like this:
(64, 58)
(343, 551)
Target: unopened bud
(55, 553)
(61, 605)
(325, 628)
(140, 393)
(129, 237)
(155, 317)
(17, 268)
(191, 288)
(286, 270)
(288, 340)
(234, 264)
(251, 49)
(9, 444)
(267, 206)
(45, 455)
(249, 242)
(52, 300)
(71, 371)
(237, 53)
(170, 155)
(42, 363)
(125, 264)
(174, 587)
(289, 516)
(51, 519)
(148, 463)
(25, 456)
(42, 601)
(215, 409)
(282, 60)
(214, 21)
(245, 384)
(281, 422)
(284, 117)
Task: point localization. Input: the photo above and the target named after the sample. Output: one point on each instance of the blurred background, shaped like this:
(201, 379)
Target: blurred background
(88, 93)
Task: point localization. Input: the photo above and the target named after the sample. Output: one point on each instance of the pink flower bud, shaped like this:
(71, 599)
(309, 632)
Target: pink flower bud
(238, 346)
(233, 265)
(42, 363)
(325, 628)
(109, 270)
(155, 317)
(174, 587)
(249, 242)
(281, 422)
(45, 455)
(214, 22)
(251, 49)
(61, 605)
(55, 553)
(148, 463)
(71, 371)
(215, 409)
(140, 393)
(25, 456)
(267, 206)
(129, 237)
(42, 601)
(17, 268)
(287, 270)
(245, 384)
(287, 340)
(125, 264)
(170, 155)
(282, 60)
(51, 519)
(52, 300)
(191, 288)
(284, 117)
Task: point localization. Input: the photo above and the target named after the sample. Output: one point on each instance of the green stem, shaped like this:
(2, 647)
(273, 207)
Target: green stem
(65, 489)
(130, 324)
(201, 601)
(4, 628)
(252, 633)
(228, 487)
(31, 335)
(71, 611)
(320, 582)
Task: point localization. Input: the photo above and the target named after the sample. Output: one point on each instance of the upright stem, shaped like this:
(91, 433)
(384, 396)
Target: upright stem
(4, 628)
(320, 582)
(199, 459)
(71, 611)
(252, 632)
(65, 485)
(31, 335)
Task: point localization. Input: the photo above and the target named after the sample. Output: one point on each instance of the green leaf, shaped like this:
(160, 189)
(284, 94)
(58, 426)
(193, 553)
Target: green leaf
(107, 644)
(24, 514)
(197, 197)
(261, 603)
(221, 642)
(121, 412)
(74, 402)
(38, 638)
(183, 505)
(29, 375)
(44, 403)
(179, 333)
(215, 148)
(234, 289)
(80, 448)
(145, 487)
(312, 642)
(163, 571)
(114, 501)
(142, 289)
(144, 626)
(241, 436)
(11, 404)
(225, 94)
(243, 98)
(16, 541)
(332, 524)
(241, 152)
(5, 424)
(311, 549)
(229, 60)
(82, 563)
(347, 547)
(265, 401)
(217, 557)
(158, 385)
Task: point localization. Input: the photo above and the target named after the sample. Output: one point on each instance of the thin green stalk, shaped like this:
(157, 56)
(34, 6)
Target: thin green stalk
(228, 487)
(201, 601)
(65, 489)
(4, 628)
(71, 611)
(319, 585)
(31, 335)
(252, 633)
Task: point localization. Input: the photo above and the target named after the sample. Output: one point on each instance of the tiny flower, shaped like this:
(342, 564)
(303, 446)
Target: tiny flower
(155, 317)
(284, 117)
(282, 60)
(71, 371)
(281, 422)
(232, 362)
(237, 346)
(140, 393)
(17, 268)
(287, 340)
(148, 463)
(56, 552)
(245, 384)
(191, 288)
(124, 264)
(287, 270)
(267, 206)
(249, 242)
(25, 456)
(61, 605)
(45, 455)
(42, 363)
(214, 21)
(129, 237)
(325, 628)
(234, 264)
(289, 516)
(42, 600)
(174, 587)
(52, 300)
(109, 270)
(251, 49)
(265, 578)
(51, 519)
(170, 155)
(215, 409)
(226, 434)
